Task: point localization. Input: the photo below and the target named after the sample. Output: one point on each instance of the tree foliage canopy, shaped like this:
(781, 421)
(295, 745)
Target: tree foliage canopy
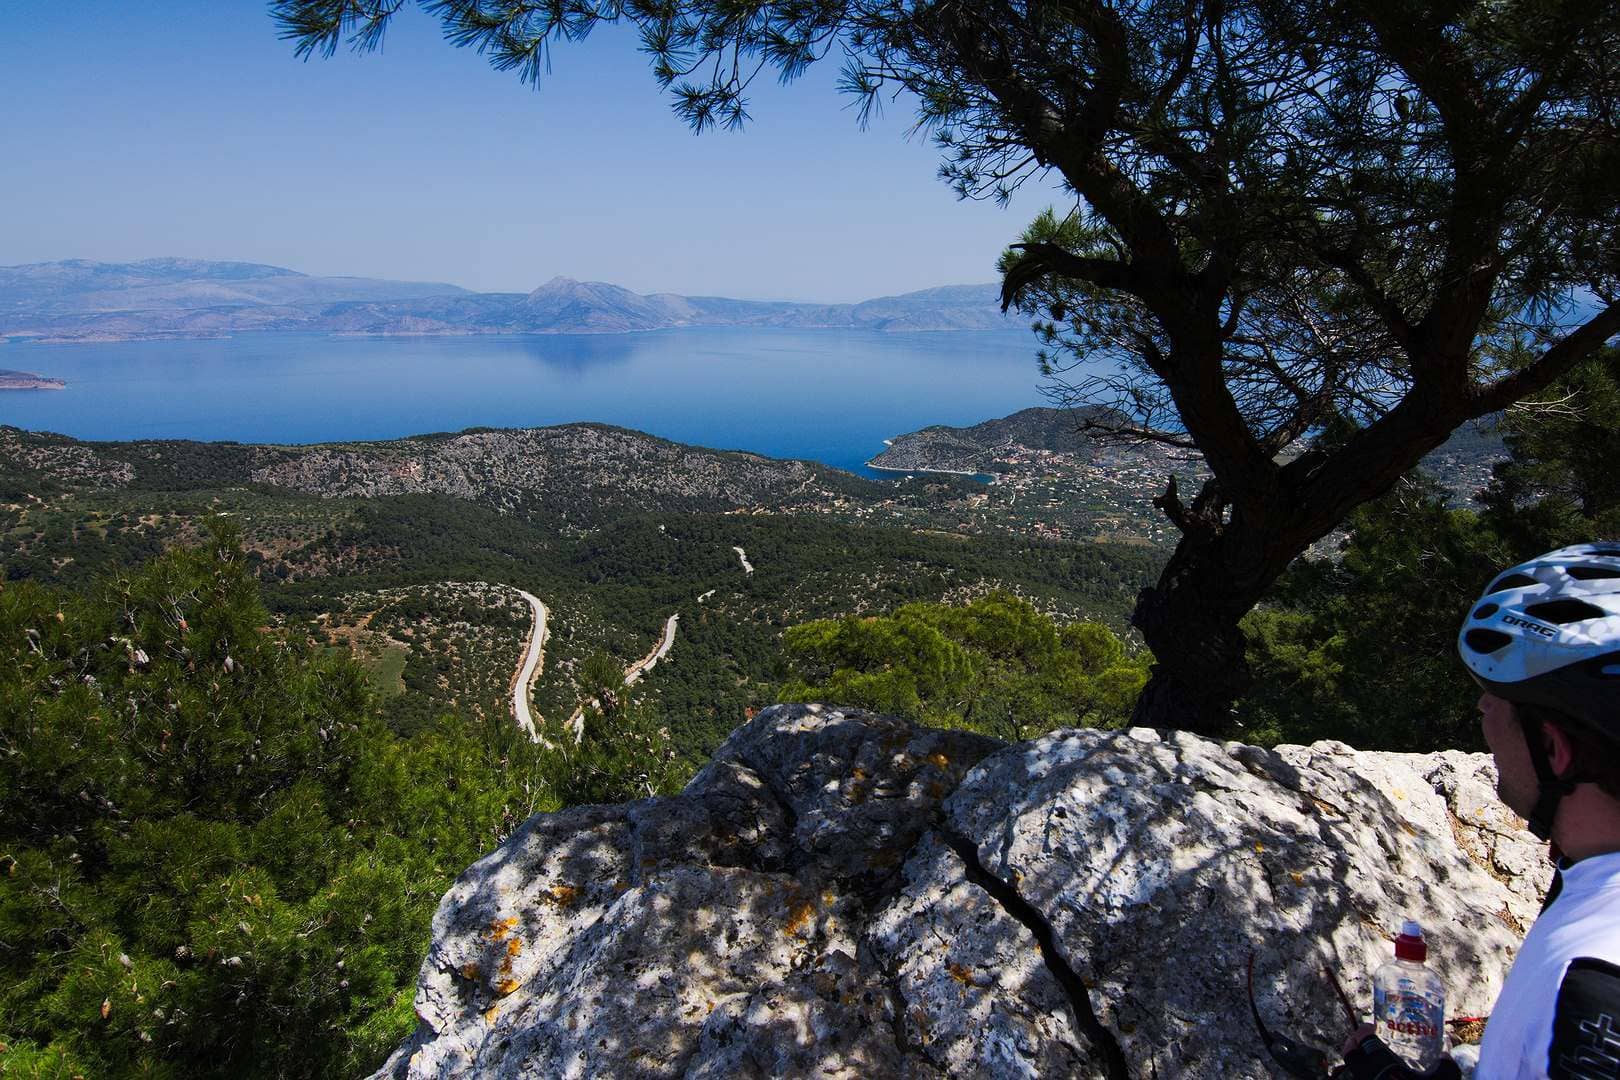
(996, 665)
(1362, 647)
(216, 859)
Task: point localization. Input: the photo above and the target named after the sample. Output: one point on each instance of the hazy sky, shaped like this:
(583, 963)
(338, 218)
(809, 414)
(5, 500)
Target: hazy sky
(188, 128)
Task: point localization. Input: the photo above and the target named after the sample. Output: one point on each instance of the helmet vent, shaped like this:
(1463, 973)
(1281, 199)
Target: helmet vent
(1592, 573)
(1606, 666)
(1485, 611)
(1607, 549)
(1485, 641)
(1567, 610)
(1512, 581)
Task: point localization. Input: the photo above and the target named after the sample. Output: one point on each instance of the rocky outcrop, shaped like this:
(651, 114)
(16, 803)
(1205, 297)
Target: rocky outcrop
(844, 894)
(570, 470)
(568, 464)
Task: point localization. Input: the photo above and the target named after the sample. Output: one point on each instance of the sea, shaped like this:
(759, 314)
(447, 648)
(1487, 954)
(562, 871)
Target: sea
(832, 396)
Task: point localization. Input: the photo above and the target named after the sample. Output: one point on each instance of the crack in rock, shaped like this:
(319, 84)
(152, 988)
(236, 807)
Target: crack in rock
(1033, 921)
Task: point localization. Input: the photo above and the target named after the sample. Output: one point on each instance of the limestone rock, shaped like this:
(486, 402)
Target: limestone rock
(848, 895)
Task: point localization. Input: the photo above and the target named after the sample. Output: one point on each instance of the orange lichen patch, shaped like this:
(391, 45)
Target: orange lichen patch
(470, 972)
(1470, 1032)
(492, 1012)
(798, 915)
(938, 760)
(513, 948)
(1299, 878)
(501, 928)
(562, 895)
(1258, 846)
(506, 986)
(858, 773)
(960, 973)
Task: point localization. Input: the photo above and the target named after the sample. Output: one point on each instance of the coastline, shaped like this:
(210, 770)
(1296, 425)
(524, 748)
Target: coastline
(989, 478)
(28, 380)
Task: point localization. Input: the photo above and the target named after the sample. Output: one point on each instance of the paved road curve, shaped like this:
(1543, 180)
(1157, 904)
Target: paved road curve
(528, 673)
(635, 670)
(576, 723)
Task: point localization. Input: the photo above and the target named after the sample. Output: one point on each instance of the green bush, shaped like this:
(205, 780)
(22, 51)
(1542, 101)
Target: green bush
(215, 859)
(996, 665)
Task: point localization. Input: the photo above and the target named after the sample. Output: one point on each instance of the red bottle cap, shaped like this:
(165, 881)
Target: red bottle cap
(1409, 945)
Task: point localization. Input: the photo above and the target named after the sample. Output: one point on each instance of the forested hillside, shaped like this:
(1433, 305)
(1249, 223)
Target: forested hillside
(216, 856)
(407, 554)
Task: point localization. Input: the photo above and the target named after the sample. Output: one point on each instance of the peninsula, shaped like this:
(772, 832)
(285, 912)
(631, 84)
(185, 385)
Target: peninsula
(27, 380)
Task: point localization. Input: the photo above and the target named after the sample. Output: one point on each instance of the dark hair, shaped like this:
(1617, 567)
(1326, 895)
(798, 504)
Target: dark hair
(1597, 757)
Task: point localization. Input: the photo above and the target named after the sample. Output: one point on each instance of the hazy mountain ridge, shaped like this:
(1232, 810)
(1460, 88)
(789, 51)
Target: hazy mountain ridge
(79, 287)
(83, 300)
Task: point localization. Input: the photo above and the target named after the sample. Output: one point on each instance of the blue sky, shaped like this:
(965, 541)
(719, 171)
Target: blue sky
(187, 128)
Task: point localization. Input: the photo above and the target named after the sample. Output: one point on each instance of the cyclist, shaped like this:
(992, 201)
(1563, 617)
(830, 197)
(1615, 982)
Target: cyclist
(1543, 642)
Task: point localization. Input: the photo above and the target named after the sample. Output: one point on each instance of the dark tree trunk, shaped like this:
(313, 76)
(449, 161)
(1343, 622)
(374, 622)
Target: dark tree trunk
(1190, 621)
(1229, 557)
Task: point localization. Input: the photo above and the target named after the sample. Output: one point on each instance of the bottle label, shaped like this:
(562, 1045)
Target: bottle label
(1410, 1021)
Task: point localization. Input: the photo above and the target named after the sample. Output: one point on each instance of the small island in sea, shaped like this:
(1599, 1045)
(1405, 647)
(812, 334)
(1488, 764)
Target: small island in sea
(27, 380)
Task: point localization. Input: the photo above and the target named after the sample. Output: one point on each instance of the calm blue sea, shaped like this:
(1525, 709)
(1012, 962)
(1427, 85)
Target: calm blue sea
(828, 395)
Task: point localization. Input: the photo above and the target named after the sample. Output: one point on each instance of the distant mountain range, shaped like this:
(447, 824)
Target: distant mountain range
(79, 300)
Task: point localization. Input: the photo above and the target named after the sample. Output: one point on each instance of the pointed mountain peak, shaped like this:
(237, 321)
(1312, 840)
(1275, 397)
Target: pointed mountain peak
(556, 284)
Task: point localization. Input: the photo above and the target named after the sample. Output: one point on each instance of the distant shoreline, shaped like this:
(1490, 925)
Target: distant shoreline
(28, 380)
(989, 478)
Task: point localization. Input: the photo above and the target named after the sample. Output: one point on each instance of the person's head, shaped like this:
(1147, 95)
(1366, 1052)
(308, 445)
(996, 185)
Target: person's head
(1543, 642)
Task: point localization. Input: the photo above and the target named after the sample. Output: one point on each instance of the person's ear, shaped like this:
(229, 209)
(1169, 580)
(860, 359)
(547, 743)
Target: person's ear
(1560, 750)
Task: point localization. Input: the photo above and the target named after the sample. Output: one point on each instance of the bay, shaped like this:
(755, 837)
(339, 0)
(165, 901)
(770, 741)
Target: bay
(827, 395)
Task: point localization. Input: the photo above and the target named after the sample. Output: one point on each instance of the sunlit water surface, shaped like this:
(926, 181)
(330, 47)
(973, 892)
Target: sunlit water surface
(829, 395)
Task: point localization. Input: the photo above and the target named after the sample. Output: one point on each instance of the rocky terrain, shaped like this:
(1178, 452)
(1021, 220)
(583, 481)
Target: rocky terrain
(843, 894)
(577, 469)
(79, 300)
(975, 449)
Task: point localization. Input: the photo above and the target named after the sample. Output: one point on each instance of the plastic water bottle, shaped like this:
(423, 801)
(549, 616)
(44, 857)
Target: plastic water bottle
(1409, 1001)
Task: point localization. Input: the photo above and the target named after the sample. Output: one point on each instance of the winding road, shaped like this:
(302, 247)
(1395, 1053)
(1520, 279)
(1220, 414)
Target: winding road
(576, 723)
(528, 673)
(646, 663)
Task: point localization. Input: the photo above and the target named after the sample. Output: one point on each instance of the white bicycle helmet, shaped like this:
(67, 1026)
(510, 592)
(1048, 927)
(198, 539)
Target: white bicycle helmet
(1545, 635)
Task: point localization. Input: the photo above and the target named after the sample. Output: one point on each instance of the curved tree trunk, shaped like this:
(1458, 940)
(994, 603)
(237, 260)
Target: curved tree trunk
(1190, 621)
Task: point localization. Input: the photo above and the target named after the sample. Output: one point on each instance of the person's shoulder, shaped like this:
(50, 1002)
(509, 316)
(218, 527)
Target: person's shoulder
(1586, 1022)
